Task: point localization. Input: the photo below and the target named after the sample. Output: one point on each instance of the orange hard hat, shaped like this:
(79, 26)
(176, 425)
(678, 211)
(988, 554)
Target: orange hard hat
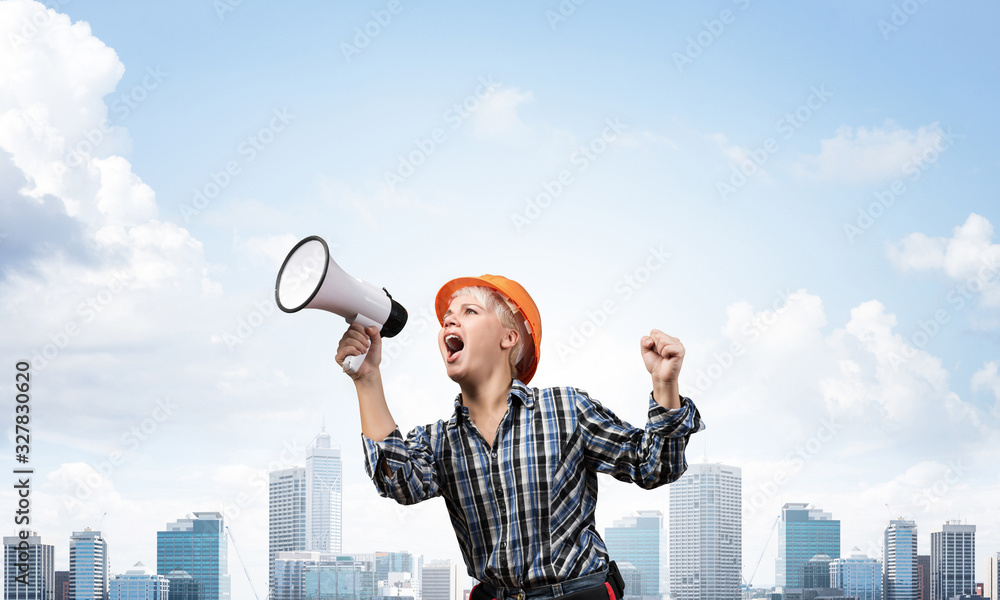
(522, 303)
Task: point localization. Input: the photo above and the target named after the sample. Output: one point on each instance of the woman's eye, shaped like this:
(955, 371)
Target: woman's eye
(469, 310)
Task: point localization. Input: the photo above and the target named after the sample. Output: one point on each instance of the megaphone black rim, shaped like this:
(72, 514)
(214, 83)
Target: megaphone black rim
(291, 253)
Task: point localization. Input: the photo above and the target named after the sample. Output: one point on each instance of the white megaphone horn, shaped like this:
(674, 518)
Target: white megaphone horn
(309, 278)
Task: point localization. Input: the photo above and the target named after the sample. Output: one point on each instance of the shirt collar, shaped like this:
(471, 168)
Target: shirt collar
(518, 391)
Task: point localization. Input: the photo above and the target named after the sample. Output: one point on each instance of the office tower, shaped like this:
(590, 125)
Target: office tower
(636, 540)
(392, 562)
(706, 533)
(399, 586)
(286, 515)
(803, 533)
(953, 558)
(632, 577)
(338, 577)
(290, 574)
(857, 575)
(991, 588)
(29, 568)
(439, 581)
(181, 586)
(139, 583)
(923, 577)
(816, 572)
(199, 546)
(323, 495)
(88, 566)
(899, 574)
(62, 585)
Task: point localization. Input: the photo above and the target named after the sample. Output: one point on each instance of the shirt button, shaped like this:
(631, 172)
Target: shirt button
(503, 544)
(494, 455)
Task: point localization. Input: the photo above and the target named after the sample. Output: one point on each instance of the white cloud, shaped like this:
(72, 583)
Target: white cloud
(270, 250)
(869, 155)
(53, 85)
(969, 257)
(497, 118)
(741, 158)
(987, 378)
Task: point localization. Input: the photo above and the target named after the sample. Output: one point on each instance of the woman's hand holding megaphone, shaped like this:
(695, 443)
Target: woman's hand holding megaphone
(357, 341)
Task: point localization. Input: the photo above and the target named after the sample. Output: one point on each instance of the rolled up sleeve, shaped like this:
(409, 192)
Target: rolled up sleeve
(412, 475)
(649, 457)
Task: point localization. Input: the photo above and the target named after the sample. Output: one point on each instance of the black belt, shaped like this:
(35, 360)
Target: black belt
(613, 588)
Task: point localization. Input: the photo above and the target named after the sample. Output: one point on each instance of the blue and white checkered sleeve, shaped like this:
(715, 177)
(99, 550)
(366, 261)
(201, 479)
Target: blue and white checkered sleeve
(401, 469)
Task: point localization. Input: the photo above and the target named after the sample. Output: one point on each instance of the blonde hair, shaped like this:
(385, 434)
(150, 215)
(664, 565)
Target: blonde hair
(504, 310)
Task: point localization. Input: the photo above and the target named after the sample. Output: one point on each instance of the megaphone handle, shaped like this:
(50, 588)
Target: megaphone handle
(353, 363)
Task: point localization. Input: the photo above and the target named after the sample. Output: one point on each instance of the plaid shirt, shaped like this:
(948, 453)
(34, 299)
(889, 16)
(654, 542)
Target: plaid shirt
(523, 510)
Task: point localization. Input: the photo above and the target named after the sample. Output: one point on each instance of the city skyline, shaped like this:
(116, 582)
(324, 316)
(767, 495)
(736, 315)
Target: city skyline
(900, 536)
(803, 194)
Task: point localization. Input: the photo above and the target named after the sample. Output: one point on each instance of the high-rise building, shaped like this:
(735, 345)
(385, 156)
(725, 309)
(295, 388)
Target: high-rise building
(439, 581)
(706, 533)
(398, 586)
(636, 540)
(899, 574)
(199, 546)
(182, 586)
(857, 575)
(88, 566)
(923, 577)
(29, 568)
(816, 572)
(286, 515)
(803, 533)
(991, 587)
(62, 585)
(290, 574)
(632, 577)
(392, 562)
(338, 577)
(139, 583)
(324, 505)
(953, 561)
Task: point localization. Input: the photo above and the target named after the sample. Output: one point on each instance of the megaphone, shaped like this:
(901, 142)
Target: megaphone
(309, 278)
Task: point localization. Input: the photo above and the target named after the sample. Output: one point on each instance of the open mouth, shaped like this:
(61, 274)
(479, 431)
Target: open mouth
(454, 345)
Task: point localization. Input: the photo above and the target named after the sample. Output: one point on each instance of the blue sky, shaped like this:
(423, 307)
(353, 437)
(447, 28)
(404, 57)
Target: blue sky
(805, 195)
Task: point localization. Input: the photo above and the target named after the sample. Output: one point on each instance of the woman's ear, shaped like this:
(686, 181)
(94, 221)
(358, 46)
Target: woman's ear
(509, 339)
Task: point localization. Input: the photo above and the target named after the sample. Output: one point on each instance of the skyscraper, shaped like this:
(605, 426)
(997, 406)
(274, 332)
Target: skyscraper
(923, 577)
(816, 572)
(29, 568)
(88, 566)
(323, 495)
(899, 576)
(439, 581)
(139, 583)
(953, 560)
(199, 546)
(290, 574)
(991, 587)
(181, 586)
(286, 515)
(857, 575)
(62, 585)
(803, 533)
(636, 540)
(706, 533)
(339, 577)
(392, 562)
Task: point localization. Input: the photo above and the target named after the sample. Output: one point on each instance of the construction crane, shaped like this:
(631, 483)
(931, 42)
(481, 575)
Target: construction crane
(238, 555)
(760, 558)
